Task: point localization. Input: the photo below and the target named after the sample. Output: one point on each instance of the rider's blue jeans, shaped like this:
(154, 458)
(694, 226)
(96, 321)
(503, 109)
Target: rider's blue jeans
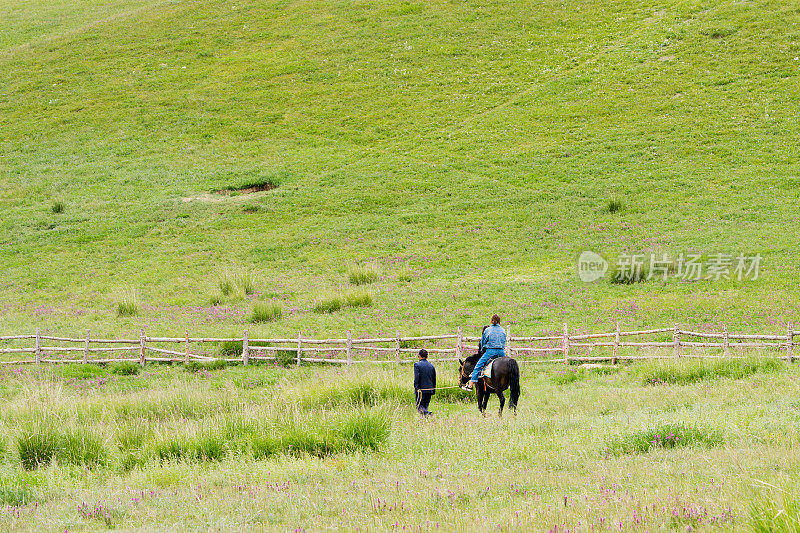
(488, 355)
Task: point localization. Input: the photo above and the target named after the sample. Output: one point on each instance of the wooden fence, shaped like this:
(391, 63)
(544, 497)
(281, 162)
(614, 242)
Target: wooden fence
(349, 350)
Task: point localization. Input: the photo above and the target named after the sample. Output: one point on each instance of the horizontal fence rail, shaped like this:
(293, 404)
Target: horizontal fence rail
(564, 348)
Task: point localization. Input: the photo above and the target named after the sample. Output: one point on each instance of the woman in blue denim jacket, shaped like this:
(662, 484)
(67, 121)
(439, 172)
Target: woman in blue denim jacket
(493, 343)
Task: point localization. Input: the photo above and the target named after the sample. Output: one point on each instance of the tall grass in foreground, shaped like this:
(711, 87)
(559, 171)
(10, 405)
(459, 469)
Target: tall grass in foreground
(661, 437)
(40, 440)
(362, 274)
(127, 302)
(238, 434)
(16, 496)
(686, 371)
(195, 426)
(775, 510)
(355, 393)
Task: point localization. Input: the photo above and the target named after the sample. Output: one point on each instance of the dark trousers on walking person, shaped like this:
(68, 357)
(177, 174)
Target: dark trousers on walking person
(423, 400)
(424, 382)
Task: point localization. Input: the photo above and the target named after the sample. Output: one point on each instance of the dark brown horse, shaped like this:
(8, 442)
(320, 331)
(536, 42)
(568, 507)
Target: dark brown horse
(505, 374)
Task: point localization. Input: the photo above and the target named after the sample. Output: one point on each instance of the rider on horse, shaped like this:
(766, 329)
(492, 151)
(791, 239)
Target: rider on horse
(493, 343)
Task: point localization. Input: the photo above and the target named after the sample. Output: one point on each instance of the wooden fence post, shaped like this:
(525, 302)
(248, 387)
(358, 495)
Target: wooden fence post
(141, 348)
(726, 344)
(508, 341)
(299, 347)
(460, 343)
(349, 348)
(789, 343)
(565, 345)
(38, 346)
(245, 349)
(86, 349)
(676, 342)
(397, 345)
(616, 346)
(186, 357)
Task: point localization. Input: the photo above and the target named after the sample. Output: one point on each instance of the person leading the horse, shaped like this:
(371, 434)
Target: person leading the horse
(493, 343)
(424, 382)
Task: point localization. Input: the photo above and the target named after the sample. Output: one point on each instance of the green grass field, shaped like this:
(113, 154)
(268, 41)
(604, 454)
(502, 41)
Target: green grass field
(465, 153)
(317, 167)
(322, 449)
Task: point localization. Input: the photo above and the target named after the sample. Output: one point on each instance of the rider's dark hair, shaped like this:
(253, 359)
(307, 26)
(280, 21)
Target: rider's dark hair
(423, 353)
(495, 320)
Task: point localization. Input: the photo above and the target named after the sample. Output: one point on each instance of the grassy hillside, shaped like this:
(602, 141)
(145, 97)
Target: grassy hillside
(470, 149)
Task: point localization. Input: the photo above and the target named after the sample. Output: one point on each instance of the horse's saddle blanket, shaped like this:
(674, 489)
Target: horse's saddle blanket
(487, 370)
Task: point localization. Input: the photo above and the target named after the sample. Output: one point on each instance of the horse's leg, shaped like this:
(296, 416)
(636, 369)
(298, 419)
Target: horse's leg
(481, 403)
(502, 398)
(484, 398)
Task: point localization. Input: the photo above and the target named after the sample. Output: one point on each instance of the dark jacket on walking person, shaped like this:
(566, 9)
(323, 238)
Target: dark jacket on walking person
(424, 382)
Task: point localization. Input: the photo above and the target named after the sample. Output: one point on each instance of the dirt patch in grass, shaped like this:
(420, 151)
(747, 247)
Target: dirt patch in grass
(250, 187)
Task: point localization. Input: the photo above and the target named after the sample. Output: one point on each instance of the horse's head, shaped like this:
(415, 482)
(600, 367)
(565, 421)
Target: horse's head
(466, 368)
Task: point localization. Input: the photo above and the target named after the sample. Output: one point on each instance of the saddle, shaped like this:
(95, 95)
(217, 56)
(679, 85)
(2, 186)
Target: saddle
(487, 370)
(485, 377)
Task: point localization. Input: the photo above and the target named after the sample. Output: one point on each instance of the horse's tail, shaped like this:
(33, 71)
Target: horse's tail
(513, 383)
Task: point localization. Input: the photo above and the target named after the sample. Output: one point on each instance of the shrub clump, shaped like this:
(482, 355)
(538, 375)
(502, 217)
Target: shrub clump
(362, 429)
(568, 375)
(80, 371)
(405, 274)
(663, 437)
(210, 445)
(362, 274)
(198, 366)
(37, 446)
(614, 205)
(226, 283)
(358, 299)
(355, 394)
(328, 304)
(124, 368)
(40, 441)
(127, 303)
(16, 496)
(58, 207)
(331, 304)
(266, 312)
(246, 281)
